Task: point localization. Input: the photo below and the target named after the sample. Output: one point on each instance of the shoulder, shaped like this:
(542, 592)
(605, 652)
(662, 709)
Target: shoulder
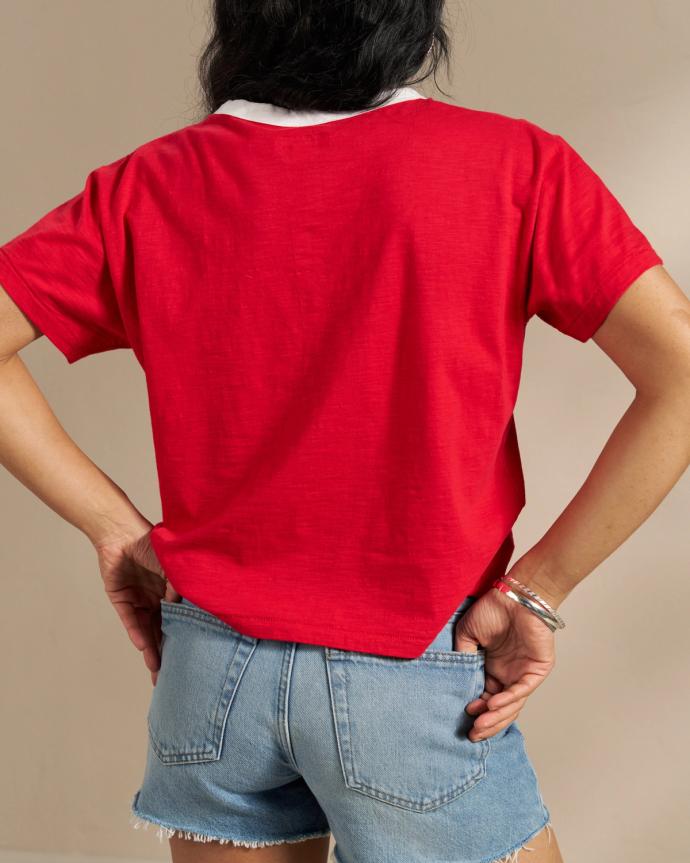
(493, 131)
(155, 161)
(171, 144)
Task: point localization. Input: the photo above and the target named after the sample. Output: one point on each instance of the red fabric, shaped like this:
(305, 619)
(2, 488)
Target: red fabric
(331, 321)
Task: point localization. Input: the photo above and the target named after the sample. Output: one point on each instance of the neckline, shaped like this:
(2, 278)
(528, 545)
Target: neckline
(402, 99)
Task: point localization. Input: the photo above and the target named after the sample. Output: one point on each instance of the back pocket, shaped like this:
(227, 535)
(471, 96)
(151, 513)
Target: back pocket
(401, 725)
(202, 661)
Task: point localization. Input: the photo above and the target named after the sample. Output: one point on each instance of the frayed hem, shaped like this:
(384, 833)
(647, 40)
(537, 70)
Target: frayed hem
(165, 832)
(512, 856)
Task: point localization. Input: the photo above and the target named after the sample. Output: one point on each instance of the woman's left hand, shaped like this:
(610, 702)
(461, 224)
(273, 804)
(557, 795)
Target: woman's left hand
(519, 655)
(135, 584)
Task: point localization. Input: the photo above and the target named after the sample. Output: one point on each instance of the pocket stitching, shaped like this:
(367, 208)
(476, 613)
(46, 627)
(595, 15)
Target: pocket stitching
(469, 655)
(450, 656)
(204, 616)
(216, 729)
(343, 739)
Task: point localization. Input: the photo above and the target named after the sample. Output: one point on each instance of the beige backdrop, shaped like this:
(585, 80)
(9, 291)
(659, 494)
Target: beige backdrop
(84, 81)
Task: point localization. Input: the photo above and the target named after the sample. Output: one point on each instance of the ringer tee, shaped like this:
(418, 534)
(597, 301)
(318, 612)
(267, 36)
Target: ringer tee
(330, 314)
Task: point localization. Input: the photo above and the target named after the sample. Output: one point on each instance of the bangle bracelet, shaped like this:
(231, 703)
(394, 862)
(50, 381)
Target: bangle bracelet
(525, 589)
(528, 603)
(541, 613)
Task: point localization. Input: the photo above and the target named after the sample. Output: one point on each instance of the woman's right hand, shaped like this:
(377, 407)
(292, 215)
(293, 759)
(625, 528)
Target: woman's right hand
(135, 583)
(520, 653)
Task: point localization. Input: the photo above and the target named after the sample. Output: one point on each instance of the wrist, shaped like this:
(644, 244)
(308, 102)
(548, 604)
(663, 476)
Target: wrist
(111, 527)
(548, 593)
(543, 584)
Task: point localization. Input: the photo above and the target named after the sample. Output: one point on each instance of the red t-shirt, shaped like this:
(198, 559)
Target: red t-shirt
(330, 319)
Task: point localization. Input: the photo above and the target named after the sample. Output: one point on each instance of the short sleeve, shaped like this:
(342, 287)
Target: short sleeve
(59, 271)
(586, 251)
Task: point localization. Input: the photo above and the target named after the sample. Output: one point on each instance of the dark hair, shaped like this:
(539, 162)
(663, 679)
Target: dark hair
(325, 55)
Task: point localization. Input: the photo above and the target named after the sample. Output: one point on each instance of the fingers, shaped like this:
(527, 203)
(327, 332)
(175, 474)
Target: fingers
(495, 711)
(517, 691)
(482, 732)
(464, 642)
(152, 659)
(171, 594)
(138, 634)
(491, 721)
(492, 685)
(504, 696)
(149, 631)
(141, 627)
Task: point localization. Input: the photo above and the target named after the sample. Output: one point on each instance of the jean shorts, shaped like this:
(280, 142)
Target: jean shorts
(259, 742)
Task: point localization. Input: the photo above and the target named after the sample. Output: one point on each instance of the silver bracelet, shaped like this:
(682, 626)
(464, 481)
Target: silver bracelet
(550, 618)
(537, 609)
(556, 616)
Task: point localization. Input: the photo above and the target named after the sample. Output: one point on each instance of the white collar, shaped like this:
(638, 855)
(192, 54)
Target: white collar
(266, 112)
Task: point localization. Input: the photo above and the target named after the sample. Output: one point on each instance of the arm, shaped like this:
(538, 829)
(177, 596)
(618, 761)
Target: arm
(36, 449)
(647, 334)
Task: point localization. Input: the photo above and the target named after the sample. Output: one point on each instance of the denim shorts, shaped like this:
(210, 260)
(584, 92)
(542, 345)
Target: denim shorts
(258, 742)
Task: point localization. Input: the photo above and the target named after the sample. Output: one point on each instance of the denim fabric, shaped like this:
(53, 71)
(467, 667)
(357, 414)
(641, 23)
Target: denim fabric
(256, 742)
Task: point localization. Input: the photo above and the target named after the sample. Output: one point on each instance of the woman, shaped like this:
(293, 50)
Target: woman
(326, 281)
